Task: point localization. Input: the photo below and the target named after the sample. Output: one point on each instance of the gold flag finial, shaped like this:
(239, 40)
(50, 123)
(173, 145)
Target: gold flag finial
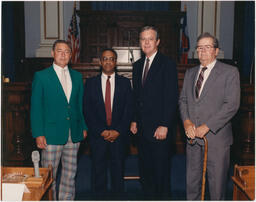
(185, 7)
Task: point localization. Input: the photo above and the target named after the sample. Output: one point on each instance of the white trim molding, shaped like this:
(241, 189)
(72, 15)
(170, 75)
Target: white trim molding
(209, 20)
(51, 26)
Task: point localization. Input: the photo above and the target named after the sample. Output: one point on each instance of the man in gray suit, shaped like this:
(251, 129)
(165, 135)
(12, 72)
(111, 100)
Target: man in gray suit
(209, 99)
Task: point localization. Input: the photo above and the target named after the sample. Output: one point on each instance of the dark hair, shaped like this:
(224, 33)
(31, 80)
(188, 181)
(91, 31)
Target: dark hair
(61, 41)
(150, 28)
(109, 49)
(208, 35)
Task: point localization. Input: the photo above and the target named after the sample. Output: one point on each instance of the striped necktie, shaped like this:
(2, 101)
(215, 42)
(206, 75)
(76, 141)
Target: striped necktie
(200, 81)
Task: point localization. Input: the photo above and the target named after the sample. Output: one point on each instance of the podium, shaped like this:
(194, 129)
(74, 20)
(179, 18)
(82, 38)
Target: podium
(244, 183)
(40, 188)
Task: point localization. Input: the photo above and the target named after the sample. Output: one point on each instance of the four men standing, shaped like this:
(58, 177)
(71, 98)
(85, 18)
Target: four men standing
(209, 99)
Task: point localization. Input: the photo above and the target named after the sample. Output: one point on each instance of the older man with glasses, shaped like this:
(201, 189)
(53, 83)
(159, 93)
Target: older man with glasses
(210, 97)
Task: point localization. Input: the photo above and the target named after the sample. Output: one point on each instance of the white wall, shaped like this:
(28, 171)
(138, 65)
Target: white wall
(32, 25)
(226, 26)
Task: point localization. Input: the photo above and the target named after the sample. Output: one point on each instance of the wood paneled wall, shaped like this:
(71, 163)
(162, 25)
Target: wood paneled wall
(105, 29)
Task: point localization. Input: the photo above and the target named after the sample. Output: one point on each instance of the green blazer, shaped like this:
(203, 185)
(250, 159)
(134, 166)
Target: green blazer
(51, 115)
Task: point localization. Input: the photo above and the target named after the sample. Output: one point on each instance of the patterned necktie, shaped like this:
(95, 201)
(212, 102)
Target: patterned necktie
(200, 81)
(108, 102)
(145, 72)
(64, 82)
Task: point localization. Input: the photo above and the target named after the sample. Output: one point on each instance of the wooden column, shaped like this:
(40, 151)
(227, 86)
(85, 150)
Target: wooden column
(244, 127)
(17, 141)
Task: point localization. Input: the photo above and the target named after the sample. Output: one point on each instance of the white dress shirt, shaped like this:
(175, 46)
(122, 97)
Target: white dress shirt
(206, 74)
(151, 58)
(58, 70)
(104, 78)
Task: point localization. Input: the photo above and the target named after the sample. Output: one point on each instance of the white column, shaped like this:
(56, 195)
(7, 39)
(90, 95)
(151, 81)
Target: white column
(51, 26)
(209, 20)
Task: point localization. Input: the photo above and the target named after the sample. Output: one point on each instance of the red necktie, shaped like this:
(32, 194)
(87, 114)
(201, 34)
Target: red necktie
(200, 81)
(108, 102)
(145, 72)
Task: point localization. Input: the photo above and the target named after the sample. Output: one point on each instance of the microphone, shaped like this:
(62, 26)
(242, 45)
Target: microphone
(36, 158)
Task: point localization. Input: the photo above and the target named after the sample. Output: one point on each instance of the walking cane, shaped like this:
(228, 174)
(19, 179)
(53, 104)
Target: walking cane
(204, 167)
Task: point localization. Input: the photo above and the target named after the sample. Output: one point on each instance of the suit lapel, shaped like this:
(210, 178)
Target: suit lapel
(116, 93)
(56, 82)
(100, 96)
(211, 80)
(140, 71)
(194, 80)
(73, 81)
(153, 69)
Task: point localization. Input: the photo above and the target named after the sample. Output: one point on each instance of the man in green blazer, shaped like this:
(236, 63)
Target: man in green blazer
(57, 120)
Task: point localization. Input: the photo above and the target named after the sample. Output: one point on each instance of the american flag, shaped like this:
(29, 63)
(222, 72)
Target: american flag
(73, 38)
(184, 48)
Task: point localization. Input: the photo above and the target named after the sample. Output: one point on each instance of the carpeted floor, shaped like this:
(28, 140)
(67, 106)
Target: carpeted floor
(132, 187)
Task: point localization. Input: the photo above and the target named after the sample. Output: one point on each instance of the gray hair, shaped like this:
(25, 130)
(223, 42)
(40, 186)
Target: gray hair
(150, 28)
(208, 35)
(61, 41)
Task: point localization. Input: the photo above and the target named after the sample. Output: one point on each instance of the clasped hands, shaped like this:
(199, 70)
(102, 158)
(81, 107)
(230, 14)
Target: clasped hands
(110, 135)
(160, 133)
(192, 132)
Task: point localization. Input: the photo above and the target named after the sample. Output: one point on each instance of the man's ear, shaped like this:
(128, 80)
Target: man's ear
(52, 53)
(217, 51)
(158, 42)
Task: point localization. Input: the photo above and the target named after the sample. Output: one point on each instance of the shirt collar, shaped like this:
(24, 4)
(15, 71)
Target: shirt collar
(209, 66)
(106, 76)
(151, 58)
(58, 68)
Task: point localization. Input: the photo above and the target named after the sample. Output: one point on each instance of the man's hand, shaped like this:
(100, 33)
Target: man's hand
(161, 133)
(113, 136)
(110, 135)
(105, 134)
(85, 133)
(202, 130)
(190, 129)
(133, 128)
(41, 142)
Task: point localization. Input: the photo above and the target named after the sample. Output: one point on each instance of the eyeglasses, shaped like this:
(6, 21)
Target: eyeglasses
(111, 59)
(147, 39)
(205, 47)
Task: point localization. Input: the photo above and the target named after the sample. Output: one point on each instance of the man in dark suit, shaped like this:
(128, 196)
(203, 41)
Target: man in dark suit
(155, 92)
(57, 120)
(210, 97)
(107, 111)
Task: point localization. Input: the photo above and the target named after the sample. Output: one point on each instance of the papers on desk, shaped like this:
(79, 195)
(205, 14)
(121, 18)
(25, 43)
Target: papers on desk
(13, 192)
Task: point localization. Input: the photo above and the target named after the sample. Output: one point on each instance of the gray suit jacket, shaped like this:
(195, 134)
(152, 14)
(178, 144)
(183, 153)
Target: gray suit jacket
(217, 104)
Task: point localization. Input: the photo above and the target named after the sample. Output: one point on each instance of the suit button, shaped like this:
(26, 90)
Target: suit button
(69, 107)
(68, 118)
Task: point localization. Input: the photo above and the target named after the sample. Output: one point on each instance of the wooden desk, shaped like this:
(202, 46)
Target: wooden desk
(38, 190)
(244, 183)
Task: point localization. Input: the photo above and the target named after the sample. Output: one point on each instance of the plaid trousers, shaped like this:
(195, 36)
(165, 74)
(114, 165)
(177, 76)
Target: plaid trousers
(68, 155)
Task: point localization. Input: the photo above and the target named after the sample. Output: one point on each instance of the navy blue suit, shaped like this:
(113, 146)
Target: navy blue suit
(155, 105)
(95, 117)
